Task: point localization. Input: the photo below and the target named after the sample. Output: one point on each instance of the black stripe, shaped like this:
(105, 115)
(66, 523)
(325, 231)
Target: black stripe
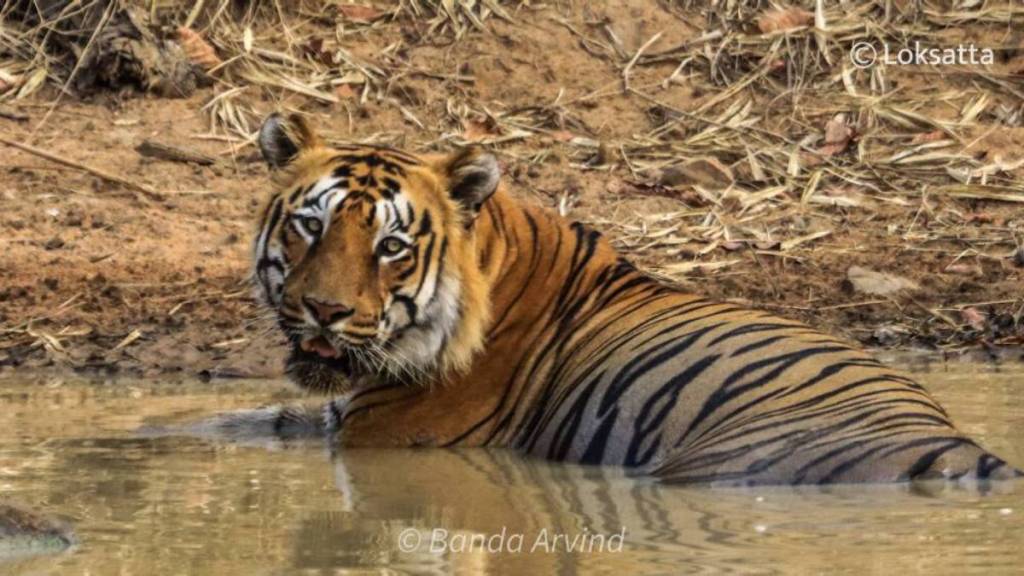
(594, 454)
(649, 421)
(726, 392)
(751, 328)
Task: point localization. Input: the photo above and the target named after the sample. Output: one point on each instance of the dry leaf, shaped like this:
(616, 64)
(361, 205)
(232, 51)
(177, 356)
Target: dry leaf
(840, 196)
(690, 267)
(973, 318)
(344, 91)
(353, 77)
(127, 340)
(48, 340)
(357, 13)
(314, 48)
(32, 83)
(964, 269)
(877, 283)
(8, 81)
(933, 136)
(831, 149)
(794, 242)
(707, 172)
(838, 135)
(787, 19)
(480, 130)
(838, 131)
(198, 50)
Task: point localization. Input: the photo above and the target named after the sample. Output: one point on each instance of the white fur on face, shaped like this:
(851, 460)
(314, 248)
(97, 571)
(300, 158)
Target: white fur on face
(269, 263)
(420, 346)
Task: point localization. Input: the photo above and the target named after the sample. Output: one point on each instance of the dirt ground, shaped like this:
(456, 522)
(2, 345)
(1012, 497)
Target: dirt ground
(98, 277)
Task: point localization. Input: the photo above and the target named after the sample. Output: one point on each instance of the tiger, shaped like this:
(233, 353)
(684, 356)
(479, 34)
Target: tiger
(437, 309)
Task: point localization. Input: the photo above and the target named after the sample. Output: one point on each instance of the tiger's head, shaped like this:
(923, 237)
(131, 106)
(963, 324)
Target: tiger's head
(367, 256)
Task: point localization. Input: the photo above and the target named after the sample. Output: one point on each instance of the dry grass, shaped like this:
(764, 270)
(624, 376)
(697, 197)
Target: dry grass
(786, 130)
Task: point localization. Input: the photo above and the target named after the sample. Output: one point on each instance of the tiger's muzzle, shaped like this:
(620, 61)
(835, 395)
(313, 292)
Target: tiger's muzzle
(336, 326)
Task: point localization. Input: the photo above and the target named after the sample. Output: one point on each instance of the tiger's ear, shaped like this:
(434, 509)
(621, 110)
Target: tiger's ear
(282, 138)
(472, 177)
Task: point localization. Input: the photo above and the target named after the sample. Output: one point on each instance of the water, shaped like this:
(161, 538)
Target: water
(176, 505)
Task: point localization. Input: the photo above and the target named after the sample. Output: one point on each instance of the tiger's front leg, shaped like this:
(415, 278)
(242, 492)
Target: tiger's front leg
(394, 416)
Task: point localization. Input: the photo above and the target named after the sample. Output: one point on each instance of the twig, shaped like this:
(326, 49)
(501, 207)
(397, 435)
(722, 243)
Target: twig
(632, 62)
(159, 150)
(141, 188)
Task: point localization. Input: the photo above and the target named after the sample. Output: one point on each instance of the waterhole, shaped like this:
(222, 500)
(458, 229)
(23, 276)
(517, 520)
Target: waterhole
(189, 505)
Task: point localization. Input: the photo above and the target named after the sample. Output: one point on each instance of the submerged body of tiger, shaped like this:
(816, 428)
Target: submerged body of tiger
(444, 312)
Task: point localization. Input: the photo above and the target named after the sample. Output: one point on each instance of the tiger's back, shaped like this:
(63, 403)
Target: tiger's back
(622, 369)
(706, 391)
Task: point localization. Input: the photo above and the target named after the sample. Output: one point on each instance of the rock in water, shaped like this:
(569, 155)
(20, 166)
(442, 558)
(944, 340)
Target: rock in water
(24, 533)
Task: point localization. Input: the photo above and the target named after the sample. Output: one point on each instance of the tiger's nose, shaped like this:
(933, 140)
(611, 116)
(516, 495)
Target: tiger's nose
(326, 313)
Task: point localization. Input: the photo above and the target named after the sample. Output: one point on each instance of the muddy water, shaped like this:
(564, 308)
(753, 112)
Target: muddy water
(174, 505)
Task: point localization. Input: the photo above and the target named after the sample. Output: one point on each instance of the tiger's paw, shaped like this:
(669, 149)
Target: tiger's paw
(267, 426)
(333, 415)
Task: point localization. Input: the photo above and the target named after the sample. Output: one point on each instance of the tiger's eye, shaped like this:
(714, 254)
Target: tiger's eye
(312, 225)
(392, 246)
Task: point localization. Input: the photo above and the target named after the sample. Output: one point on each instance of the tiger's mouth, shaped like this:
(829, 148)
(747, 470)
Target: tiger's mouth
(319, 354)
(319, 374)
(336, 352)
(320, 346)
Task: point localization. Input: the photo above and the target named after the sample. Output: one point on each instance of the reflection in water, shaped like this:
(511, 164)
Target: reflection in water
(167, 505)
